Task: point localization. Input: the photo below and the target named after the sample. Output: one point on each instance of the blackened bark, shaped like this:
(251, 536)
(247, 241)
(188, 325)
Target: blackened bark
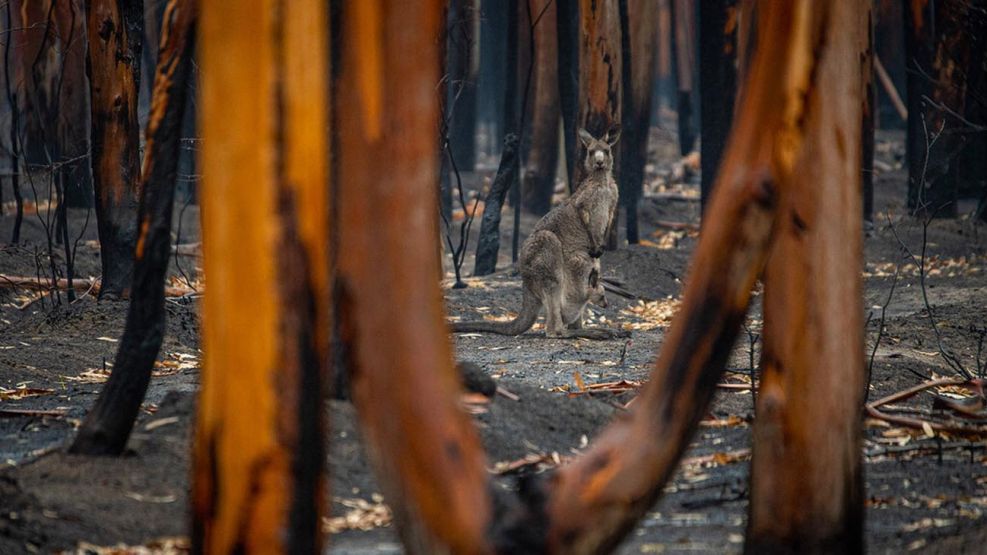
(937, 46)
(108, 425)
(717, 84)
(639, 46)
(493, 48)
(682, 62)
(488, 244)
(14, 129)
(567, 24)
(869, 117)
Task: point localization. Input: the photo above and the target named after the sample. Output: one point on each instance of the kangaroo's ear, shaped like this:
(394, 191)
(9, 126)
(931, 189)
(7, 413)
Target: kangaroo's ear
(613, 135)
(585, 137)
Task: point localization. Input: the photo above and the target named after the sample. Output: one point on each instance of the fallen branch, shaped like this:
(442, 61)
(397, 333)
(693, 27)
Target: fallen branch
(41, 284)
(14, 413)
(919, 424)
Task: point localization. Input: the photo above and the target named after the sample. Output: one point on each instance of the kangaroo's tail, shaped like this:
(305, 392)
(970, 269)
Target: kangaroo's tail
(530, 304)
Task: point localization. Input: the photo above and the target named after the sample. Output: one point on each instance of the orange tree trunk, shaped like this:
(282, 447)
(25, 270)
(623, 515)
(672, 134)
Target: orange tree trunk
(806, 481)
(257, 454)
(937, 45)
(114, 31)
(108, 425)
(391, 318)
(543, 153)
(639, 23)
(718, 21)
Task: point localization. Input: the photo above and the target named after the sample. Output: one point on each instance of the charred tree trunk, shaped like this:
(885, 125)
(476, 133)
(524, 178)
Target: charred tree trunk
(543, 155)
(718, 22)
(937, 47)
(639, 20)
(684, 61)
(108, 425)
(113, 65)
(869, 112)
(493, 52)
(15, 128)
(805, 498)
(567, 34)
(385, 232)
(488, 242)
(464, 62)
(72, 126)
(258, 449)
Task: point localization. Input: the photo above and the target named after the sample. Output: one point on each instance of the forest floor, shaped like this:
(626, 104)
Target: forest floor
(926, 491)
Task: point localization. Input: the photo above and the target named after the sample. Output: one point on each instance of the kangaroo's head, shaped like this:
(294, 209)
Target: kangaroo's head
(599, 152)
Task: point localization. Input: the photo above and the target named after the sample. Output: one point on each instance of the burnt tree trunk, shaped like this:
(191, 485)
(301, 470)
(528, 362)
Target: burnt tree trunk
(567, 35)
(543, 154)
(684, 62)
(488, 242)
(937, 47)
(464, 62)
(113, 65)
(386, 224)
(258, 451)
(108, 424)
(639, 21)
(507, 179)
(868, 113)
(15, 128)
(72, 126)
(718, 23)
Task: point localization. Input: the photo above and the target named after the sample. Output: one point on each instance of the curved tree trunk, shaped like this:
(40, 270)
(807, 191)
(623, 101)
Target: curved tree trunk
(639, 66)
(258, 449)
(108, 425)
(387, 265)
(543, 153)
(114, 30)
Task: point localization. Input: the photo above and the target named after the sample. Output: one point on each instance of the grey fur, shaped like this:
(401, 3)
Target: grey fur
(560, 262)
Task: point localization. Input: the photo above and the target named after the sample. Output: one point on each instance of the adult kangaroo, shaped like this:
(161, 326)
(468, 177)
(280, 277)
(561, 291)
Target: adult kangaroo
(560, 262)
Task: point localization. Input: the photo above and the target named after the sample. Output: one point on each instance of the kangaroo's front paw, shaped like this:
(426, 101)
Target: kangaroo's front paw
(596, 252)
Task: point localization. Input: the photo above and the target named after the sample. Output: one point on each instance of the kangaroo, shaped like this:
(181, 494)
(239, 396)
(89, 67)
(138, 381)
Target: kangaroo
(560, 262)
